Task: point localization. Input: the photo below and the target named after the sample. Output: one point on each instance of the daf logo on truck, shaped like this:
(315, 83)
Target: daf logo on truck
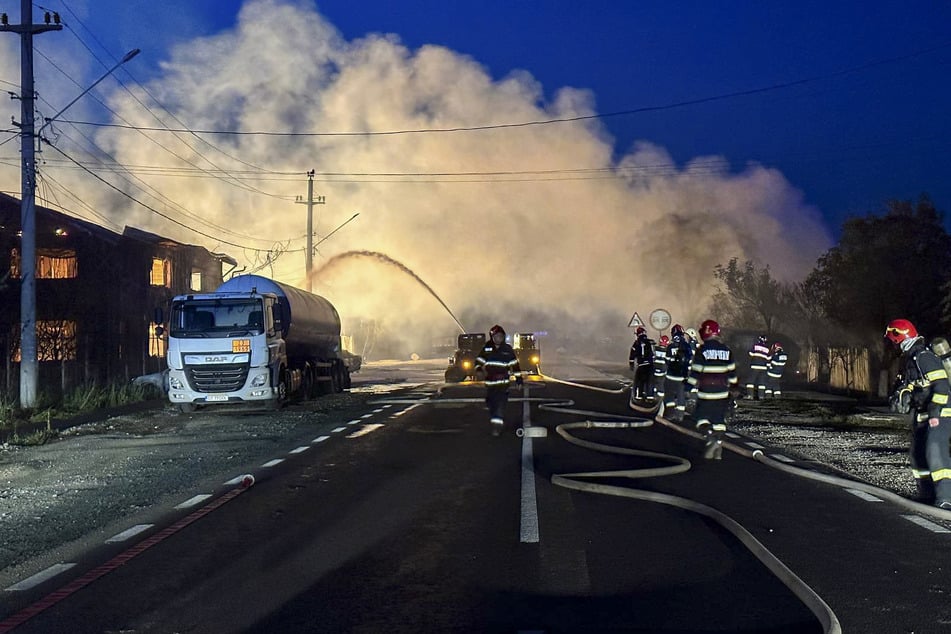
(286, 341)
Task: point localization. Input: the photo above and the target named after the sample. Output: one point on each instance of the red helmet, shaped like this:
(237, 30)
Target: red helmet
(496, 329)
(900, 329)
(640, 331)
(664, 340)
(708, 329)
(677, 329)
(777, 347)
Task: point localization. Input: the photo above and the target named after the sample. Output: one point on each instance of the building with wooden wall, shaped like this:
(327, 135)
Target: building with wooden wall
(96, 291)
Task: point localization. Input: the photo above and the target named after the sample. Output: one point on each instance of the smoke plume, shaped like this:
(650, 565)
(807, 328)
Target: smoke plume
(499, 223)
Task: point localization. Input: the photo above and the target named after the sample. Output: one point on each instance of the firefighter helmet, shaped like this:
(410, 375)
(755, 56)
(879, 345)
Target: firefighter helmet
(898, 330)
(676, 329)
(777, 347)
(692, 333)
(762, 339)
(496, 329)
(640, 331)
(664, 340)
(708, 329)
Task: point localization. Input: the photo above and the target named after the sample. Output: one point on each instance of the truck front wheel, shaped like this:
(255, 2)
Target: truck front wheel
(281, 389)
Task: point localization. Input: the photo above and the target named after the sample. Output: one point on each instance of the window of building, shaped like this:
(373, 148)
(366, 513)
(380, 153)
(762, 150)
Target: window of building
(196, 280)
(55, 341)
(158, 346)
(51, 264)
(161, 273)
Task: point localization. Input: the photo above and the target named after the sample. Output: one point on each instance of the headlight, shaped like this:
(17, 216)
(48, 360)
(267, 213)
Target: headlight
(259, 380)
(466, 365)
(535, 359)
(174, 383)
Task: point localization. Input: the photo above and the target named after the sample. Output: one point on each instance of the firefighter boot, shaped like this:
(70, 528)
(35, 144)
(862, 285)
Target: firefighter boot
(926, 492)
(714, 447)
(497, 424)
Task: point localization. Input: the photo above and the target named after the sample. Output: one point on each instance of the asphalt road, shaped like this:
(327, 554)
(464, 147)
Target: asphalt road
(412, 517)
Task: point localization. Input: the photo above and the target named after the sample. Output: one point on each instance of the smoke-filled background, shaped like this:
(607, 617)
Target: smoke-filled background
(535, 227)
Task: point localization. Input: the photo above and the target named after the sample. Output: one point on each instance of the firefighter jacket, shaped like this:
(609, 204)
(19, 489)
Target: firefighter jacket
(679, 355)
(499, 362)
(713, 370)
(660, 360)
(776, 365)
(759, 356)
(925, 382)
(642, 352)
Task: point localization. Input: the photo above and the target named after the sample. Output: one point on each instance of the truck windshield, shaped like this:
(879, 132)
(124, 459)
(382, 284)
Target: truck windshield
(216, 317)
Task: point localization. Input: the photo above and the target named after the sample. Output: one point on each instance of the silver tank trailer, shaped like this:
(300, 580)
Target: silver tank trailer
(311, 327)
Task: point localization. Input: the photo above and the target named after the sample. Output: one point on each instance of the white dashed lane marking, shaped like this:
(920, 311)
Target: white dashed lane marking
(931, 526)
(129, 532)
(868, 497)
(319, 439)
(298, 450)
(272, 463)
(193, 501)
(39, 577)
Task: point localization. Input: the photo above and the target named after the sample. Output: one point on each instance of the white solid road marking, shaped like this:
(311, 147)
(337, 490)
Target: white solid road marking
(528, 526)
(868, 497)
(782, 458)
(129, 532)
(272, 463)
(193, 501)
(931, 526)
(299, 450)
(755, 445)
(40, 577)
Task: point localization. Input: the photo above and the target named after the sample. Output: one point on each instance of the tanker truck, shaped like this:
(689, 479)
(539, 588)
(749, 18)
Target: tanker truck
(254, 341)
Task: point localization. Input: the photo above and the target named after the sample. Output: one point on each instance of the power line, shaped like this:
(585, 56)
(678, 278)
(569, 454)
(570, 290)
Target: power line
(523, 124)
(156, 211)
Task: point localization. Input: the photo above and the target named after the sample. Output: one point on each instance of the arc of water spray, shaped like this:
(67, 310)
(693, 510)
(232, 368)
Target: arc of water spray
(382, 257)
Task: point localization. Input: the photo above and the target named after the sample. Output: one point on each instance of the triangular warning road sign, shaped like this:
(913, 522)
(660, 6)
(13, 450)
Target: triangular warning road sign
(635, 321)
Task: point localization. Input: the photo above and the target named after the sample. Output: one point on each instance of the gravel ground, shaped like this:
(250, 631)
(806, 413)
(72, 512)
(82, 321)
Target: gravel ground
(96, 479)
(866, 443)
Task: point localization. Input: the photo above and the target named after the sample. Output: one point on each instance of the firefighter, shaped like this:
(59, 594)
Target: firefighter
(759, 357)
(500, 365)
(679, 355)
(660, 367)
(775, 366)
(640, 361)
(922, 391)
(713, 374)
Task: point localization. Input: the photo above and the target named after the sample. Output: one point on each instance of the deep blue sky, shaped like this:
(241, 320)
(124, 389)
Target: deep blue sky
(848, 141)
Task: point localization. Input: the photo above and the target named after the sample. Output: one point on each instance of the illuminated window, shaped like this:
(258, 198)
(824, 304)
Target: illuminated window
(55, 341)
(51, 264)
(196, 280)
(157, 345)
(161, 273)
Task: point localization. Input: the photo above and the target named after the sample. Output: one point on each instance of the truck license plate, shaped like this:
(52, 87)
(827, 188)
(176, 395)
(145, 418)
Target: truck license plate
(216, 397)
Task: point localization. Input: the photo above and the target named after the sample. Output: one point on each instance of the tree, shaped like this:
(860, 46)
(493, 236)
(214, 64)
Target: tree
(884, 267)
(749, 297)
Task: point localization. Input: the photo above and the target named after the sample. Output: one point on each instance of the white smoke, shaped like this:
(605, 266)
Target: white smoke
(536, 245)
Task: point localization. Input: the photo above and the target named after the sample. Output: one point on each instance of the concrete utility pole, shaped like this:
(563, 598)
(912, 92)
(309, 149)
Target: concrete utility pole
(28, 362)
(310, 202)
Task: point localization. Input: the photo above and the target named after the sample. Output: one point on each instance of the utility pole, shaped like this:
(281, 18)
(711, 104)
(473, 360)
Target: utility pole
(29, 374)
(310, 202)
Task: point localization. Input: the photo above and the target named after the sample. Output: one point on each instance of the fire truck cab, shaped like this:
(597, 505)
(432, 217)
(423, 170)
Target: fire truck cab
(526, 349)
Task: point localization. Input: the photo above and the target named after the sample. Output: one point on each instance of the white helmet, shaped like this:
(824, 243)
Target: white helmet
(692, 333)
